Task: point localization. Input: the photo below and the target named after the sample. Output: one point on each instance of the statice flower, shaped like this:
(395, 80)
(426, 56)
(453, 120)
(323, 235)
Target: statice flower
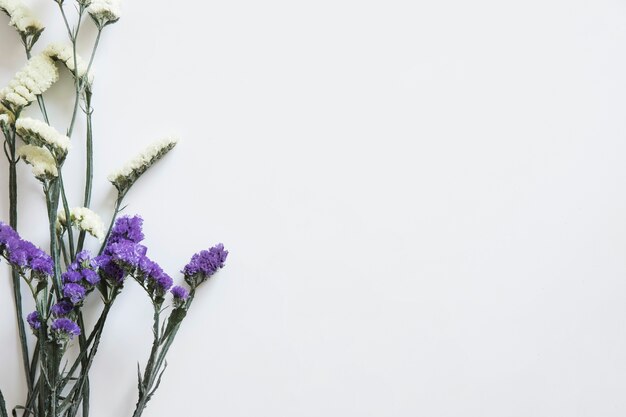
(179, 295)
(62, 308)
(80, 278)
(124, 177)
(34, 320)
(75, 293)
(65, 53)
(22, 253)
(38, 133)
(43, 163)
(127, 228)
(4, 120)
(110, 270)
(204, 264)
(22, 18)
(126, 253)
(104, 12)
(65, 328)
(85, 219)
(36, 77)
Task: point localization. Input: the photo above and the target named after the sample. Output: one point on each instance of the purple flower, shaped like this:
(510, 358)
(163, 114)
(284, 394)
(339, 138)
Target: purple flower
(74, 292)
(164, 282)
(66, 327)
(127, 228)
(126, 253)
(7, 233)
(34, 320)
(42, 264)
(62, 308)
(204, 264)
(90, 276)
(109, 269)
(179, 292)
(71, 275)
(22, 253)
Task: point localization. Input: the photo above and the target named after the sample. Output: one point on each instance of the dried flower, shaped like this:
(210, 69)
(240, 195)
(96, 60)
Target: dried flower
(124, 177)
(180, 295)
(85, 219)
(127, 228)
(42, 161)
(34, 320)
(75, 293)
(204, 264)
(37, 76)
(62, 308)
(64, 327)
(65, 54)
(22, 18)
(22, 253)
(38, 133)
(104, 12)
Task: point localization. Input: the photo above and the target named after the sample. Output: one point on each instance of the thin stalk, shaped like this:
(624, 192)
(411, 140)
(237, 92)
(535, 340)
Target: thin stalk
(16, 283)
(66, 209)
(154, 370)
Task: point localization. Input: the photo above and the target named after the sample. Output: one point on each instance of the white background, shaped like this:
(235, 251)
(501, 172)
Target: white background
(425, 204)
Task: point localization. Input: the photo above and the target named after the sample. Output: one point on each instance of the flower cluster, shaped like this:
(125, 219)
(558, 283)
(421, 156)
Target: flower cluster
(124, 255)
(64, 328)
(65, 54)
(36, 77)
(38, 133)
(124, 177)
(23, 254)
(43, 163)
(204, 264)
(79, 279)
(104, 12)
(85, 219)
(22, 18)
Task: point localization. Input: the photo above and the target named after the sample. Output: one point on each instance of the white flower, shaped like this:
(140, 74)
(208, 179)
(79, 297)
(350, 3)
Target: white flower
(42, 161)
(4, 119)
(22, 18)
(37, 76)
(65, 53)
(38, 133)
(85, 219)
(124, 177)
(104, 12)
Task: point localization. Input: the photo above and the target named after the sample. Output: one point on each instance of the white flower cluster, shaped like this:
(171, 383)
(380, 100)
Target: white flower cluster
(65, 54)
(35, 78)
(22, 17)
(104, 12)
(4, 120)
(42, 161)
(85, 219)
(38, 133)
(128, 174)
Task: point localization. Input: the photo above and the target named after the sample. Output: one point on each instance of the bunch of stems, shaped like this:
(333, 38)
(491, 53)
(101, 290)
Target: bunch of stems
(58, 386)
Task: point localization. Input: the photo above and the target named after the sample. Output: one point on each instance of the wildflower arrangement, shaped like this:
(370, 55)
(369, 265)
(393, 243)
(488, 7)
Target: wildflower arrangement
(63, 277)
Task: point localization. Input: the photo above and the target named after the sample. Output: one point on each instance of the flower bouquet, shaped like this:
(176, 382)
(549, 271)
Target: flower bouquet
(57, 347)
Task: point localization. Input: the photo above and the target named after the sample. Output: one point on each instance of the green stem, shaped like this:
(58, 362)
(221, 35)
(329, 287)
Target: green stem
(66, 210)
(16, 284)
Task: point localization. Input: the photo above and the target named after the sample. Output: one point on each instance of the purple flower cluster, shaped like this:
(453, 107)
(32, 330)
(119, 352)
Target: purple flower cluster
(124, 255)
(204, 264)
(122, 252)
(65, 327)
(34, 320)
(127, 228)
(78, 280)
(155, 280)
(22, 253)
